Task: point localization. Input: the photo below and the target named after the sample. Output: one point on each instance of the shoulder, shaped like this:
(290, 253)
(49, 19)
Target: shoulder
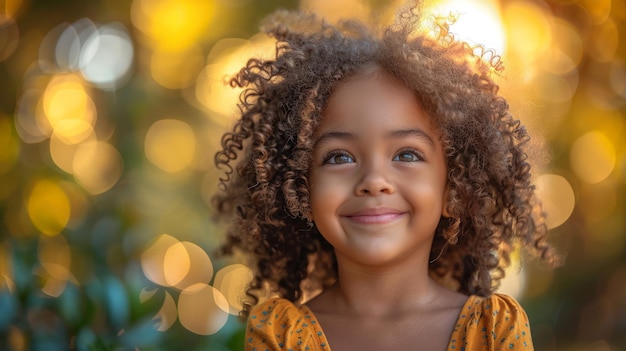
(497, 320)
(279, 323)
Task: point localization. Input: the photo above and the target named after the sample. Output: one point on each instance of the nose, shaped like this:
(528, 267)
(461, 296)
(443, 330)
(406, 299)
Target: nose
(374, 180)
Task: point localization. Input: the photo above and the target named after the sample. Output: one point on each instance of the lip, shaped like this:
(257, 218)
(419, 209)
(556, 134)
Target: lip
(378, 215)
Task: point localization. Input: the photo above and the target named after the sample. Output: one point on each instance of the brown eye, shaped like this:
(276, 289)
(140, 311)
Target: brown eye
(338, 157)
(409, 155)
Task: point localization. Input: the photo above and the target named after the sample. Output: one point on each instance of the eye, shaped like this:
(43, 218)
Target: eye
(408, 155)
(338, 157)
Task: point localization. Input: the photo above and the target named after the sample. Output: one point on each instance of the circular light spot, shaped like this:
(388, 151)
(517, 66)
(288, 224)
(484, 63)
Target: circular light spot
(200, 266)
(557, 197)
(176, 70)
(167, 315)
(153, 259)
(48, 207)
(9, 37)
(97, 166)
(528, 28)
(565, 55)
(55, 258)
(170, 145)
(68, 108)
(592, 157)
(26, 117)
(176, 263)
(62, 152)
(232, 282)
(106, 56)
(202, 309)
(227, 57)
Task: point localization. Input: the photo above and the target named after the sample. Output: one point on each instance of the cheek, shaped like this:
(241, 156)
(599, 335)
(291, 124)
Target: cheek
(326, 194)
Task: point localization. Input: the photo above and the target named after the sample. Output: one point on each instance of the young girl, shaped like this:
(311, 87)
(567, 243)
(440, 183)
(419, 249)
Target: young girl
(385, 173)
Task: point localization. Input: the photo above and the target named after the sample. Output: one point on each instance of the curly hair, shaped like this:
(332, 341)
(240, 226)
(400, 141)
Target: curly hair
(266, 157)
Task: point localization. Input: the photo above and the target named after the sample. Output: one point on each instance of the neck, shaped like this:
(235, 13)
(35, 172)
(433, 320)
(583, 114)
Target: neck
(383, 290)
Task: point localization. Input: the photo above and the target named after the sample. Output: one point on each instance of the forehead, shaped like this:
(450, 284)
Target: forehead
(373, 98)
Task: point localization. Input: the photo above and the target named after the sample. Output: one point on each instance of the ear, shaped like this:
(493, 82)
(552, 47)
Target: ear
(444, 203)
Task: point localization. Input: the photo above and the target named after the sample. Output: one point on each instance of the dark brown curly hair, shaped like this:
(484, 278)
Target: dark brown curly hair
(266, 157)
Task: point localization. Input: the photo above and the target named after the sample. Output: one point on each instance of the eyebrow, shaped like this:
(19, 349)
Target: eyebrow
(401, 133)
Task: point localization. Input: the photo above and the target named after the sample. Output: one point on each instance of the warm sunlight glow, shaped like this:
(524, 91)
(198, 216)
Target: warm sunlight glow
(528, 27)
(48, 207)
(153, 259)
(170, 144)
(557, 196)
(200, 267)
(172, 25)
(97, 166)
(592, 157)
(478, 22)
(232, 282)
(202, 309)
(68, 108)
(226, 58)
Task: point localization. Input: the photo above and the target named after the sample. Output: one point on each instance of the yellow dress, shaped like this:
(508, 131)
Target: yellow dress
(490, 323)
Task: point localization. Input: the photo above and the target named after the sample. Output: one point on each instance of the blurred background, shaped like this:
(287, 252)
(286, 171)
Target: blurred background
(111, 112)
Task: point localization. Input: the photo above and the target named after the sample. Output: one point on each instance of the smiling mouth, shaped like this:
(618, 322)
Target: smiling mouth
(374, 216)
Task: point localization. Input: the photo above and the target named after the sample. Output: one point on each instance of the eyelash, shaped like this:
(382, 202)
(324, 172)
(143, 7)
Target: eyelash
(419, 156)
(332, 154)
(329, 156)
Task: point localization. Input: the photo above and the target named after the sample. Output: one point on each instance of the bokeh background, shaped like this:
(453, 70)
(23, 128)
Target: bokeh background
(111, 111)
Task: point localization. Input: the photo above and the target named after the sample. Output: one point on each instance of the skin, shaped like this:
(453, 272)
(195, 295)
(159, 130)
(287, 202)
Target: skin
(378, 186)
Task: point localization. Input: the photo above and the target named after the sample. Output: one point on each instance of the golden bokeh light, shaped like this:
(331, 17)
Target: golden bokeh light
(592, 157)
(176, 70)
(598, 9)
(172, 263)
(604, 42)
(48, 207)
(478, 22)
(170, 144)
(200, 268)
(528, 27)
(167, 314)
(226, 58)
(557, 196)
(202, 309)
(9, 146)
(97, 166)
(172, 25)
(10, 7)
(153, 258)
(556, 88)
(334, 11)
(565, 55)
(176, 263)
(16, 339)
(514, 281)
(28, 115)
(232, 281)
(55, 259)
(9, 37)
(69, 110)
(62, 152)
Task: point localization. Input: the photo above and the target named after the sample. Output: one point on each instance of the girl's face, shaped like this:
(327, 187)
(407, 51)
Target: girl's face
(379, 174)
